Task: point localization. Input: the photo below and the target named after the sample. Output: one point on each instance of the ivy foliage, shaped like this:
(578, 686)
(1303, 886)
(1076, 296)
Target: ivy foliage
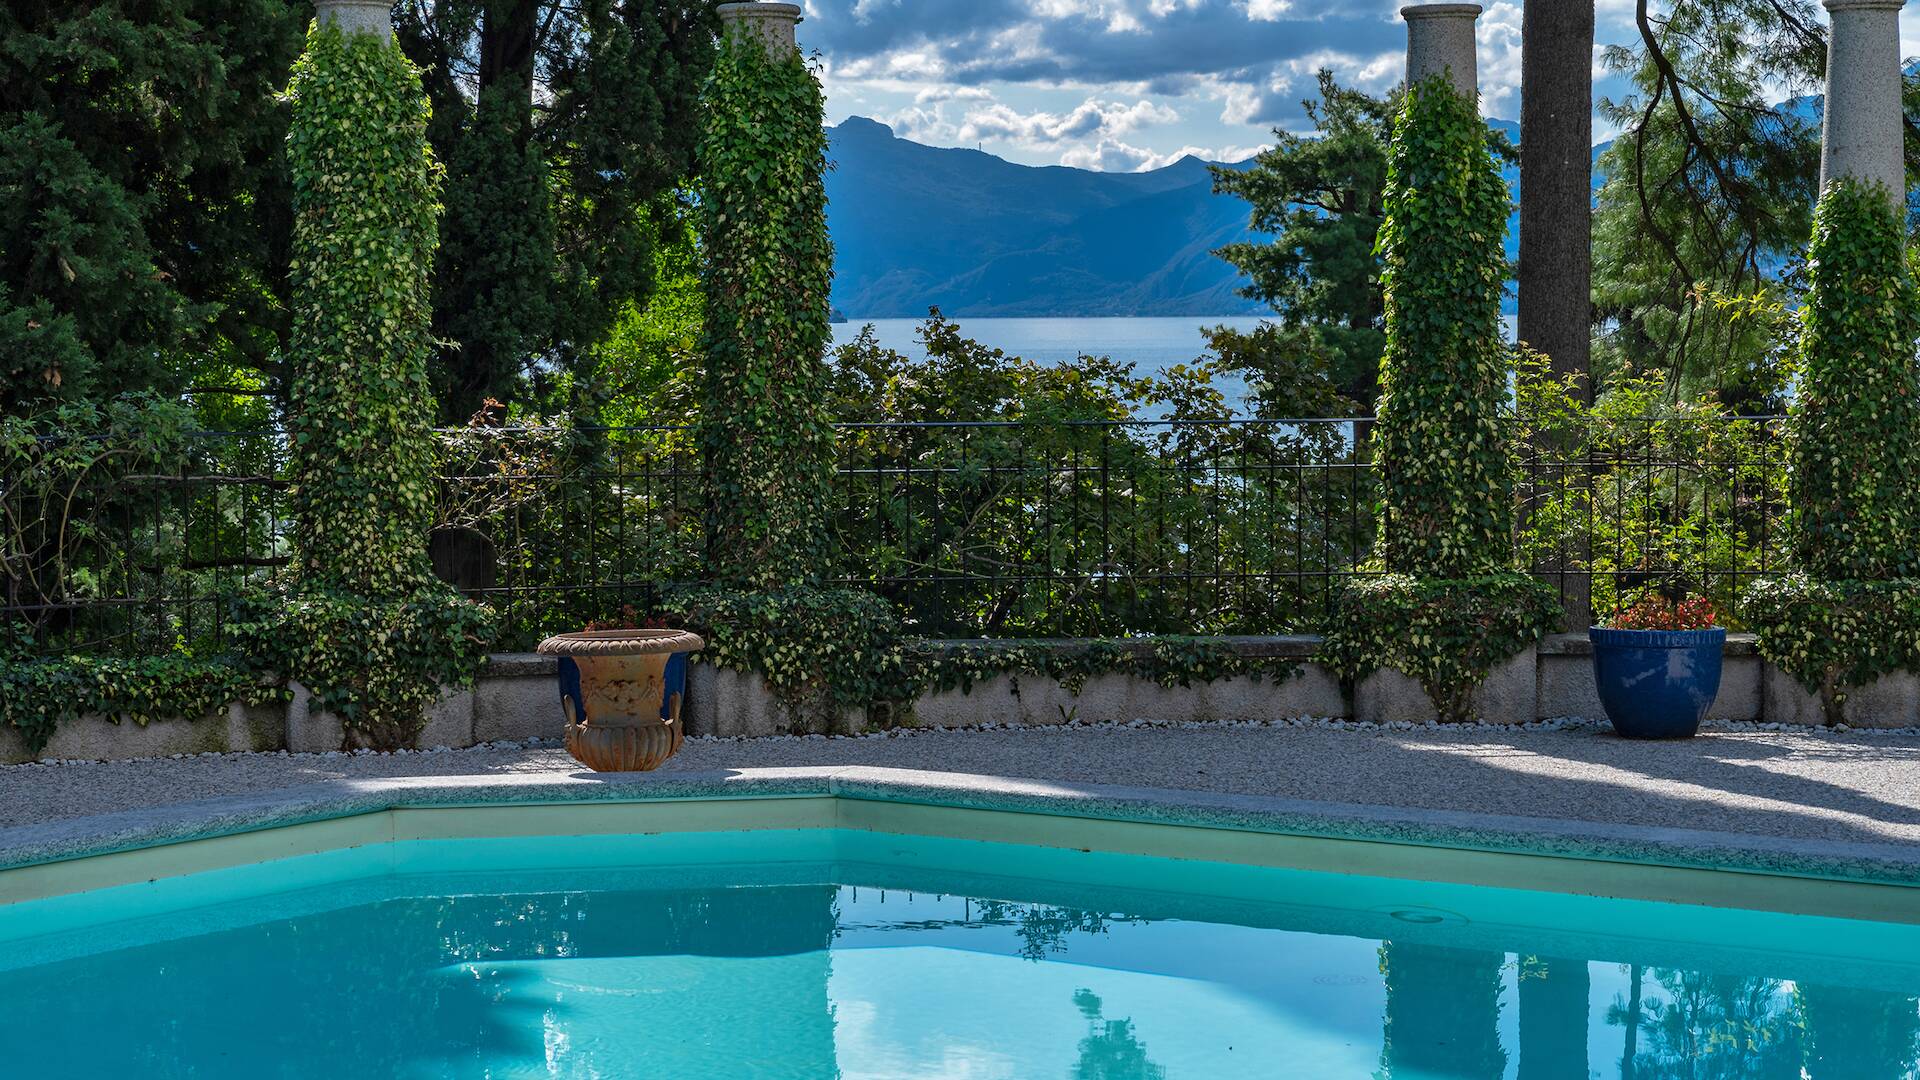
(764, 433)
(1447, 633)
(1833, 636)
(38, 695)
(1852, 612)
(1169, 661)
(1450, 605)
(1856, 422)
(821, 651)
(364, 191)
(824, 652)
(1446, 472)
(366, 626)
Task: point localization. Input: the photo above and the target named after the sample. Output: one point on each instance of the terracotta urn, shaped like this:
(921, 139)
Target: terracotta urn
(620, 692)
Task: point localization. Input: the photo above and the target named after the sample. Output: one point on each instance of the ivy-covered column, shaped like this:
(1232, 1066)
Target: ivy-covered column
(1851, 614)
(1447, 605)
(362, 622)
(765, 438)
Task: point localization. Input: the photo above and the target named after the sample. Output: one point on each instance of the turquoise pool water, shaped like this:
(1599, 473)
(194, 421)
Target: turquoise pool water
(815, 953)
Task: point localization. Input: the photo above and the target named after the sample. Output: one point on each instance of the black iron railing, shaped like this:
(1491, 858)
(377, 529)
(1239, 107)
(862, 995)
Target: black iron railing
(997, 529)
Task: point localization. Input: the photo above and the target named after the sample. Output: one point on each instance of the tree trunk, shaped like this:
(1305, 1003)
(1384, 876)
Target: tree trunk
(1556, 178)
(1556, 216)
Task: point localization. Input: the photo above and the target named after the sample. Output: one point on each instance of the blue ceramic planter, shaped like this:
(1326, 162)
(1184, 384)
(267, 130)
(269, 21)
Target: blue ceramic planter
(1657, 684)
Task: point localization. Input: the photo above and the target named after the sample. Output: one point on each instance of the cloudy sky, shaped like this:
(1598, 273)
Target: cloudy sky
(1130, 84)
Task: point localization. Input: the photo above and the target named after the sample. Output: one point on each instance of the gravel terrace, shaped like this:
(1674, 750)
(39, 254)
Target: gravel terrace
(1800, 784)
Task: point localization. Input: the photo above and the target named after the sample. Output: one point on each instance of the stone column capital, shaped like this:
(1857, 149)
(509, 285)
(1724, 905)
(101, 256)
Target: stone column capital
(1472, 11)
(1863, 5)
(770, 24)
(357, 16)
(1440, 41)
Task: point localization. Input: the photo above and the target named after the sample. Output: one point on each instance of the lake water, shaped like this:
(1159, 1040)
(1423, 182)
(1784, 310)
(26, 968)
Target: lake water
(1151, 345)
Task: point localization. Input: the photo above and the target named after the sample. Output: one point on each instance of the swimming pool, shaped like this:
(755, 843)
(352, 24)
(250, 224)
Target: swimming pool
(784, 938)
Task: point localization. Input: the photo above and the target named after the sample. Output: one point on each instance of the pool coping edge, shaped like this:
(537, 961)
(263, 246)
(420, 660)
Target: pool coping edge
(82, 837)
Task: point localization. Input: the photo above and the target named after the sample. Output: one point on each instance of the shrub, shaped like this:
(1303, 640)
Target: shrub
(1446, 633)
(375, 662)
(1831, 636)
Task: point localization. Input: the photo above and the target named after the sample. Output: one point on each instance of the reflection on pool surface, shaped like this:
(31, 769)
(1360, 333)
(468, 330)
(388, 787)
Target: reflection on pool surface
(850, 969)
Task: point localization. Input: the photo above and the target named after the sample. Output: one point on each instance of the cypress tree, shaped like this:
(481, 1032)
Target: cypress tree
(142, 199)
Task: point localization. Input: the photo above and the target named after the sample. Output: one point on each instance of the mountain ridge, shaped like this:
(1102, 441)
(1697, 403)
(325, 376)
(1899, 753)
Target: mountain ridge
(916, 226)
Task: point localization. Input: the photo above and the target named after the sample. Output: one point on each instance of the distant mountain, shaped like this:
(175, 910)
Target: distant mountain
(915, 226)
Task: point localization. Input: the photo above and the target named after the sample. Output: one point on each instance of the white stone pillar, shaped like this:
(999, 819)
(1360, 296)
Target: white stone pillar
(771, 24)
(1440, 41)
(357, 16)
(1862, 134)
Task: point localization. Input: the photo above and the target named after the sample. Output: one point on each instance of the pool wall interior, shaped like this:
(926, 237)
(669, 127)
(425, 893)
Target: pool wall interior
(1199, 871)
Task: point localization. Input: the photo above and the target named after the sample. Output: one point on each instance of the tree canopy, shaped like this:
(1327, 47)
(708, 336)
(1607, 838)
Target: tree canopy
(1320, 197)
(565, 127)
(143, 220)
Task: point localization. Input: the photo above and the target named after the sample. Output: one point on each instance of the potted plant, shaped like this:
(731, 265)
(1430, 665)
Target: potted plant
(1656, 664)
(621, 685)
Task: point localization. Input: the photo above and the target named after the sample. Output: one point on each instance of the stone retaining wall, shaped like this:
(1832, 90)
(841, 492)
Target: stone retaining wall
(516, 699)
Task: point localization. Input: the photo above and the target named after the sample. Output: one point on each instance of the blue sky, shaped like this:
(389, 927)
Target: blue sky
(1131, 84)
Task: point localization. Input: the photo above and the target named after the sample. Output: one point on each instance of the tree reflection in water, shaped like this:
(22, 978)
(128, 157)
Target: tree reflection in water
(1443, 1013)
(1690, 1025)
(1553, 995)
(1110, 1051)
(1043, 929)
(1858, 1034)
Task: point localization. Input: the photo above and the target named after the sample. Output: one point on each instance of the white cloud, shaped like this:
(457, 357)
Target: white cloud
(1268, 10)
(1112, 155)
(931, 94)
(1089, 120)
(1499, 60)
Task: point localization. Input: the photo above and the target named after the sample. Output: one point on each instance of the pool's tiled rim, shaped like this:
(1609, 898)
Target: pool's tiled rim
(1862, 880)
